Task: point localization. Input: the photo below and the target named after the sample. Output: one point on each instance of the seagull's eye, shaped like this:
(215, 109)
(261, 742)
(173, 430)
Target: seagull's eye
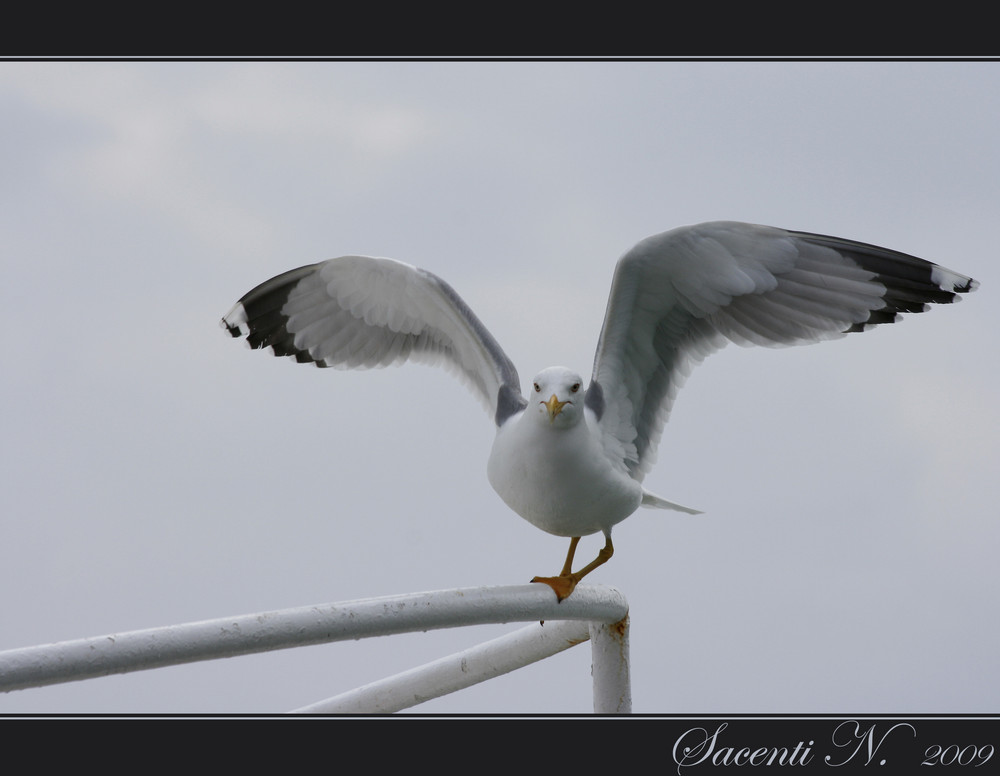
(575, 388)
(537, 389)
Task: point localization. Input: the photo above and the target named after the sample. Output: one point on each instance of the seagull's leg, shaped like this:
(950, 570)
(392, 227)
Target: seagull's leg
(602, 557)
(567, 580)
(568, 565)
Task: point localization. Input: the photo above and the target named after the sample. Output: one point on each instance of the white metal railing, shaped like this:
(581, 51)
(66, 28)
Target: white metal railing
(597, 613)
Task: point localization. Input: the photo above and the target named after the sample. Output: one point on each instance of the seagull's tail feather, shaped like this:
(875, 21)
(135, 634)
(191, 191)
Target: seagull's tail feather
(652, 500)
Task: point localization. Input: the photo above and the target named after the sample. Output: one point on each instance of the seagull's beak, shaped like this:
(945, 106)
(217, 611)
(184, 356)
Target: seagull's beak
(554, 406)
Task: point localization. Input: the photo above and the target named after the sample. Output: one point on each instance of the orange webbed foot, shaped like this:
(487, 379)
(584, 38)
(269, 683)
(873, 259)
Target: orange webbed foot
(562, 585)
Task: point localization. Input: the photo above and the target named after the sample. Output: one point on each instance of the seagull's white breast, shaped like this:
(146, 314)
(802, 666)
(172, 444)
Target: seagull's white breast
(558, 478)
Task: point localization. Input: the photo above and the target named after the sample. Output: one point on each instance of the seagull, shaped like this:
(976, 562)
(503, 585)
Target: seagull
(570, 457)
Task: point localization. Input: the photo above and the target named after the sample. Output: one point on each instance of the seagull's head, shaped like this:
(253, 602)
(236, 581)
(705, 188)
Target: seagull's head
(557, 394)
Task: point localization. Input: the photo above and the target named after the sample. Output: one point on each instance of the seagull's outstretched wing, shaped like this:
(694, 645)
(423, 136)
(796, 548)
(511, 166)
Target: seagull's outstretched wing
(357, 312)
(680, 295)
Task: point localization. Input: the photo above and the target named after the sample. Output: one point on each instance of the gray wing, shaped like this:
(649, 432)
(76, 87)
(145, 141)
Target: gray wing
(680, 295)
(358, 312)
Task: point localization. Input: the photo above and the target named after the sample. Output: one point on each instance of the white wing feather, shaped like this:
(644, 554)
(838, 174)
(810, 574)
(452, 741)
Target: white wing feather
(358, 312)
(678, 296)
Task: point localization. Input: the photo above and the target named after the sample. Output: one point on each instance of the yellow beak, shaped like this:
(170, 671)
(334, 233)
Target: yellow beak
(554, 406)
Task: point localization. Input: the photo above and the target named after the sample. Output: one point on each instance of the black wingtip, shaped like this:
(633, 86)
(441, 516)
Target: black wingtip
(259, 318)
(968, 288)
(911, 284)
(233, 331)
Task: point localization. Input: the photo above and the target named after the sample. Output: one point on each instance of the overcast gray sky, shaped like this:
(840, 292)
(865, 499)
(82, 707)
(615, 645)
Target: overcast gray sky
(154, 471)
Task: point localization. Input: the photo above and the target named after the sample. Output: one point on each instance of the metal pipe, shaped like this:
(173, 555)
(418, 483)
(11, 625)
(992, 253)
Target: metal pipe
(611, 667)
(245, 634)
(456, 672)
